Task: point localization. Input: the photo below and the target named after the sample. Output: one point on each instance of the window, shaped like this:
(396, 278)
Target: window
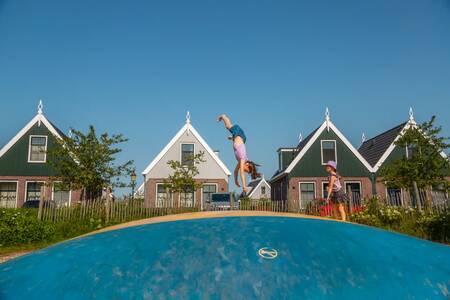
(354, 187)
(394, 196)
(38, 149)
(353, 190)
(410, 150)
(307, 193)
(187, 154)
(8, 194)
(163, 196)
(208, 191)
(325, 189)
(187, 198)
(328, 151)
(61, 194)
(263, 190)
(33, 191)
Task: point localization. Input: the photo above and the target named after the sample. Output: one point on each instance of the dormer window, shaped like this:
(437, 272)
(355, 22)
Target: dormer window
(187, 154)
(37, 152)
(328, 148)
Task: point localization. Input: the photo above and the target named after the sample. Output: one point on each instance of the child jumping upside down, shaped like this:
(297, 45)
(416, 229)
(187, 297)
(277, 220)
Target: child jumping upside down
(244, 165)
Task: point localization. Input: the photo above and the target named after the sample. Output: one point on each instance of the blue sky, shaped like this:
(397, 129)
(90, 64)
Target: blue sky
(135, 67)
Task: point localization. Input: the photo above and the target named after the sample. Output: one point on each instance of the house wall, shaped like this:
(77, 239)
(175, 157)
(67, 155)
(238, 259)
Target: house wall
(15, 161)
(278, 189)
(150, 191)
(311, 163)
(294, 186)
(210, 169)
(21, 188)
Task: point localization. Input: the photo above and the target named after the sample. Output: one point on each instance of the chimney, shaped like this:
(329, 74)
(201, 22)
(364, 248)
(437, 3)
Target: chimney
(217, 152)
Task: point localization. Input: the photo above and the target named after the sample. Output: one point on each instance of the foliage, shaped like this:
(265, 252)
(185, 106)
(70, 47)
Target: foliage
(87, 161)
(424, 165)
(182, 179)
(423, 224)
(22, 227)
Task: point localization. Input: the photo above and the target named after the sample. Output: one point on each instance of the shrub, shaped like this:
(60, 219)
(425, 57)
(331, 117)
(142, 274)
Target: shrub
(21, 226)
(430, 225)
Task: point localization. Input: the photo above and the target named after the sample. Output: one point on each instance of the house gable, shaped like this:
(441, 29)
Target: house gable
(14, 155)
(212, 168)
(309, 164)
(256, 191)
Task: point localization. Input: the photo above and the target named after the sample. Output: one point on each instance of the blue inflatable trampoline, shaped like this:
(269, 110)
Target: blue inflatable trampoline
(234, 258)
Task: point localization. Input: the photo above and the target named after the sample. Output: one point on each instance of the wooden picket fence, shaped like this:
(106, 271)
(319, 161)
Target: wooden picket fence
(109, 211)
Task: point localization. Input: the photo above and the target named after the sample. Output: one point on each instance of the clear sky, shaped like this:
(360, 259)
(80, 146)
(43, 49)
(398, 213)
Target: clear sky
(135, 67)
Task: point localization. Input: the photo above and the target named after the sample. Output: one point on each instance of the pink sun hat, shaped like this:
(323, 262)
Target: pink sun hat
(332, 164)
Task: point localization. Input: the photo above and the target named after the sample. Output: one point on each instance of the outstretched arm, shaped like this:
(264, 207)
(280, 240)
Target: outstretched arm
(242, 171)
(236, 172)
(226, 121)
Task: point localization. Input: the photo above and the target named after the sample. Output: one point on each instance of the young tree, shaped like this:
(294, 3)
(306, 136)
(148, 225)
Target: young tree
(87, 162)
(423, 167)
(182, 179)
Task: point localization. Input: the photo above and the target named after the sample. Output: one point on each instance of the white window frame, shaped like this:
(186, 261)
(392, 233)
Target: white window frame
(208, 183)
(156, 196)
(26, 188)
(17, 188)
(29, 149)
(181, 150)
(300, 191)
(321, 151)
(353, 181)
(323, 188)
(53, 193)
(193, 200)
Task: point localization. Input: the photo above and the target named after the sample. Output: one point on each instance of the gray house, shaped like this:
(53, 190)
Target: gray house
(213, 174)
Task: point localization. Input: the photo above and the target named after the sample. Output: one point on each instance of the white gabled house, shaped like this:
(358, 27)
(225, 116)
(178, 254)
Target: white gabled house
(259, 189)
(213, 174)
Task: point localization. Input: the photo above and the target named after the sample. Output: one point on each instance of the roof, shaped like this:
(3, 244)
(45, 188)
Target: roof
(254, 185)
(187, 127)
(373, 149)
(305, 141)
(311, 139)
(39, 118)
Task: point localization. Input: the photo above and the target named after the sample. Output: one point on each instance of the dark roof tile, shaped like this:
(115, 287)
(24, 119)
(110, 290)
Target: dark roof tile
(372, 150)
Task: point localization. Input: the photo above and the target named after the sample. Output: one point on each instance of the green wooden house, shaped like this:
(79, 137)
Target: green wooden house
(24, 169)
(301, 176)
(381, 150)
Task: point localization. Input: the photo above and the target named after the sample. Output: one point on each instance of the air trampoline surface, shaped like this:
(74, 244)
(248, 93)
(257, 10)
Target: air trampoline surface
(234, 258)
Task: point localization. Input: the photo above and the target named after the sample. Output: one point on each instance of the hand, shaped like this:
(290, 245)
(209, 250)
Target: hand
(245, 189)
(219, 118)
(237, 183)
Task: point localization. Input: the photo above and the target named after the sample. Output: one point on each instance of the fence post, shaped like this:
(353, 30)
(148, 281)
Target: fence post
(350, 198)
(108, 204)
(416, 192)
(41, 202)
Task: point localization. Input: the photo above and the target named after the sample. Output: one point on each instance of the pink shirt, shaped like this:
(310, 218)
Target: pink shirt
(240, 152)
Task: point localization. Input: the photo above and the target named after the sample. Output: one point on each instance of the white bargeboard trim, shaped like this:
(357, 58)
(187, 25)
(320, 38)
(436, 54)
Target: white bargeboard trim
(313, 139)
(38, 118)
(191, 129)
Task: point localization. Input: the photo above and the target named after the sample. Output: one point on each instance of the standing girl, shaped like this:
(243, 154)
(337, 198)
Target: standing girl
(244, 165)
(335, 191)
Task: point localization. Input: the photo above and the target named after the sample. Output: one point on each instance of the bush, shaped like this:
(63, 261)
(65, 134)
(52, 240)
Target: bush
(21, 226)
(430, 225)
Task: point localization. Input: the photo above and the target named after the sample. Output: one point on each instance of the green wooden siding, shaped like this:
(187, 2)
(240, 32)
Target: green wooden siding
(311, 163)
(287, 158)
(15, 161)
